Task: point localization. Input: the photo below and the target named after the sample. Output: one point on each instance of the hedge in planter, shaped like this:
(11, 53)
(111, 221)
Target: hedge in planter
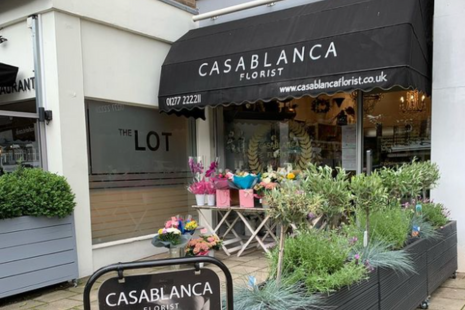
(37, 237)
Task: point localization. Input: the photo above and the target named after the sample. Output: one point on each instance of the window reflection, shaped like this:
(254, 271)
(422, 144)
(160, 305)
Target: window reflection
(18, 143)
(396, 134)
(318, 130)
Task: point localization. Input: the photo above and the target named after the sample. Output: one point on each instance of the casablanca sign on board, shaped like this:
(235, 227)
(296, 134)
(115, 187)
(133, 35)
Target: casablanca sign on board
(180, 290)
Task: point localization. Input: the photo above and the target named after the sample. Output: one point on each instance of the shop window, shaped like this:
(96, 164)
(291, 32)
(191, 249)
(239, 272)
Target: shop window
(319, 130)
(18, 143)
(395, 130)
(25, 106)
(138, 170)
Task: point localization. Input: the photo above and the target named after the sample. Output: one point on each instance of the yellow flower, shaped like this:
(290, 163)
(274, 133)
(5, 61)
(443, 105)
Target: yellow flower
(160, 231)
(291, 176)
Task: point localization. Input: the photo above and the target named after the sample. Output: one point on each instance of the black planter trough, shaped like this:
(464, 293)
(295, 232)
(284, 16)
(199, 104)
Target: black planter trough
(442, 257)
(405, 291)
(360, 296)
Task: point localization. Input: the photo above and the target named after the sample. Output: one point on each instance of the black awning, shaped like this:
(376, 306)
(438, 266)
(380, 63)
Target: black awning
(320, 48)
(7, 75)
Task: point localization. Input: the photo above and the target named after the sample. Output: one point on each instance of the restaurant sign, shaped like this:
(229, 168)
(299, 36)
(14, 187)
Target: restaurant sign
(180, 290)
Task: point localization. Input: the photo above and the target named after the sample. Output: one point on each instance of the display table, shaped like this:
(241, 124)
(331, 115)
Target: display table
(229, 246)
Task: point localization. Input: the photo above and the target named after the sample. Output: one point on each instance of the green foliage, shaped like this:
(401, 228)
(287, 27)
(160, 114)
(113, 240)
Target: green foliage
(378, 255)
(289, 204)
(35, 192)
(435, 213)
(318, 259)
(334, 190)
(409, 180)
(274, 296)
(401, 182)
(391, 226)
(369, 192)
(427, 172)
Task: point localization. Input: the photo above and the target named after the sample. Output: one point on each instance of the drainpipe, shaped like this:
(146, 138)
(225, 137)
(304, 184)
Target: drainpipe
(33, 22)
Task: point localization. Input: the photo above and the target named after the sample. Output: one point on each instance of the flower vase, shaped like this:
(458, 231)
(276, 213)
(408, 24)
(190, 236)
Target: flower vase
(211, 199)
(175, 252)
(200, 199)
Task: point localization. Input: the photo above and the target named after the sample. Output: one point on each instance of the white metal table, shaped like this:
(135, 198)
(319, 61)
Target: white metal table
(229, 246)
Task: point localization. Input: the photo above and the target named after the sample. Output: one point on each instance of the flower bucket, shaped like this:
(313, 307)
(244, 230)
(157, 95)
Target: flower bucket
(211, 199)
(200, 199)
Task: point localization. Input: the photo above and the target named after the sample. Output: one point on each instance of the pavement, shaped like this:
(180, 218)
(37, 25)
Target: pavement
(450, 296)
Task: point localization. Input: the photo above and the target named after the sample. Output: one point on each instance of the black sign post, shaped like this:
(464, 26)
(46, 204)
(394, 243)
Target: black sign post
(184, 289)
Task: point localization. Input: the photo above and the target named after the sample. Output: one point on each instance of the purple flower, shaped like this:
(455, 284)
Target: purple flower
(195, 167)
(353, 240)
(357, 257)
(369, 267)
(311, 216)
(212, 169)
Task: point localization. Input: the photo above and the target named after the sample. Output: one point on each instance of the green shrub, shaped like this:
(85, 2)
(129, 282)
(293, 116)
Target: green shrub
(334, 190)
(435, 213)
(391, 226)
(35, 192)
(320, 260)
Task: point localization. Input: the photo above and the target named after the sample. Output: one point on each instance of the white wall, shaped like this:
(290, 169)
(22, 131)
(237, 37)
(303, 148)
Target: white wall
(66, 134)
(149, 17)
(121, 66)
(17, 51)
(448, 113)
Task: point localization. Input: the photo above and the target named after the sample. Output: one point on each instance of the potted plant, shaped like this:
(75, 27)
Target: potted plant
(37, 236)
(381, 256)
(201, 185)
(175, 235)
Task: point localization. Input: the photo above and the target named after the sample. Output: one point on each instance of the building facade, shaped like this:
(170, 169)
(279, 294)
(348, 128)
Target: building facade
(100, 72)
(99, 67)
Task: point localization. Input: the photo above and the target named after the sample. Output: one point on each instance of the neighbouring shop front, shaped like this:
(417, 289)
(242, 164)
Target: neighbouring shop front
(320, 83)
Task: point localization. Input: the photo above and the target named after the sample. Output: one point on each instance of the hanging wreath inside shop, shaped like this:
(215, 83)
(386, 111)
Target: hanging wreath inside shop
(299, 132)
(320, 105)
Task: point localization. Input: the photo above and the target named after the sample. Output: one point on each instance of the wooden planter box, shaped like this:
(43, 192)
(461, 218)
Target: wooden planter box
(36, 252)
(442, 257)
(405, 291)
(361, 296)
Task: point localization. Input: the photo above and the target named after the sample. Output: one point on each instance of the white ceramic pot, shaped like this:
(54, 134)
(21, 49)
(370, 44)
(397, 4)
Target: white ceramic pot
(211, 200)
(200, 200)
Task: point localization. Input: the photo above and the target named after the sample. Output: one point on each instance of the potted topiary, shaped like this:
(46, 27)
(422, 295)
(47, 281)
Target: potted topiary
(37, 236)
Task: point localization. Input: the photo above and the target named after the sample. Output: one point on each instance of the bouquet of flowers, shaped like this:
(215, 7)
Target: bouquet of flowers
(197, 247)
(269, 180)
(198, 188)
(186, 226)
(176, 232)
(213, 241)
(288, 174)
(202, 245)
(190, 226)
(245, 180)
(221, 180)
(201, 186)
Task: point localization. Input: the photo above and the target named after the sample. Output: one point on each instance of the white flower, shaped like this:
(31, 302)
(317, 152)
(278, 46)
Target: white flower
(173, 231)
(267, 180)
